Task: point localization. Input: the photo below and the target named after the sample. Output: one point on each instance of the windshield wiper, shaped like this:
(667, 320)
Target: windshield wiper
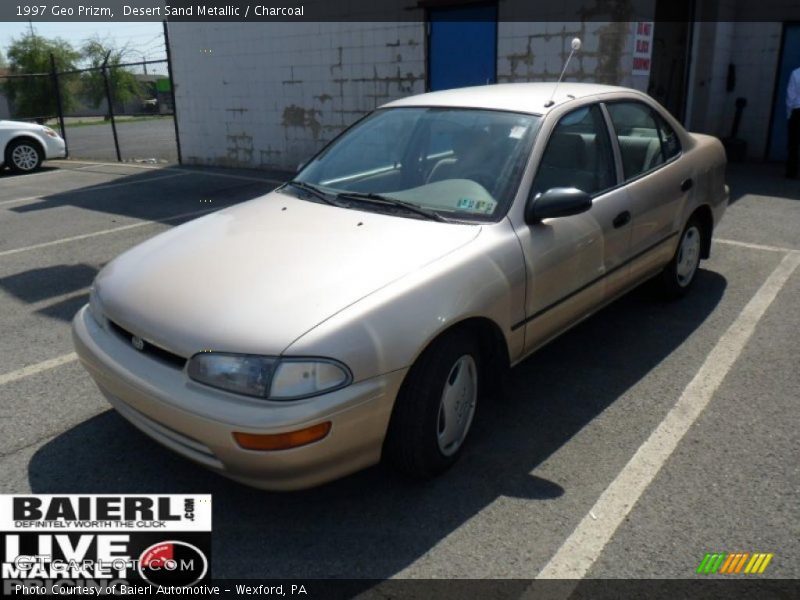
(314, 190)
(388, 201)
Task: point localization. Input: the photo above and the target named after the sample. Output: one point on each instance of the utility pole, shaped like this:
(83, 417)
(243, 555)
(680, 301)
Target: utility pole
(59, 103)
(172, 93)
(110, 101)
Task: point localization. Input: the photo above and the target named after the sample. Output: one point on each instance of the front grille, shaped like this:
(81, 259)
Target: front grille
(165, 356)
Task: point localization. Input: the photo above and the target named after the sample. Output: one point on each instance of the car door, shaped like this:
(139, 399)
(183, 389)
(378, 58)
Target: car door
(575, 262)
(657, 180)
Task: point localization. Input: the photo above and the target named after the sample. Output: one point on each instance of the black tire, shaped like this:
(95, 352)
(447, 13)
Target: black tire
(671, 282)
(23, 156)
(412, 442)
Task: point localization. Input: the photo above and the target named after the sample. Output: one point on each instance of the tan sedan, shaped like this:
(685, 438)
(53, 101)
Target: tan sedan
(363, 309)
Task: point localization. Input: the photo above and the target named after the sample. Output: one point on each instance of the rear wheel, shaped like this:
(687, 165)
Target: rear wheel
(679, 275)
(23, 156)
(435, 408)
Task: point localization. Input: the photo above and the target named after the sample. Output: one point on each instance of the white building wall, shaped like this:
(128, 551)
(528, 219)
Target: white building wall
(755, 52)
(720, 60)
(753, 48)
(269, 95)
(537, 51)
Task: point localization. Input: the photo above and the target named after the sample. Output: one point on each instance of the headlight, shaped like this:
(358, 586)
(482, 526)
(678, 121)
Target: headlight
(268, 377)
(303, 378)
(240, 373)
(49, 132)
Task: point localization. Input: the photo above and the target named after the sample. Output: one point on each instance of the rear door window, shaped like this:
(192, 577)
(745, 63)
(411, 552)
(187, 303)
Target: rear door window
(642, 139)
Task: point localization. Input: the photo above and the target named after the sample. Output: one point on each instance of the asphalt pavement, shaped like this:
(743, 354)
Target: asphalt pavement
(648, 435)
(143, 139)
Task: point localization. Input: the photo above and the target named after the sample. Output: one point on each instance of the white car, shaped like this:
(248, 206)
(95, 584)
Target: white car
(25, 145)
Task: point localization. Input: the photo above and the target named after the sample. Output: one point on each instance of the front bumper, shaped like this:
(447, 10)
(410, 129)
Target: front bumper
(55, 147)
(198, 422)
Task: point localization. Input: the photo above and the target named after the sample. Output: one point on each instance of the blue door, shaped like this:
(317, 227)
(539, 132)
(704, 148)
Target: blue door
(790, 60)
(462, 47)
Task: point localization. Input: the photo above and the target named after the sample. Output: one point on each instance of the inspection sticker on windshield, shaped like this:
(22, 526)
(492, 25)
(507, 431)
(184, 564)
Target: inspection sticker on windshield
(485, 207)
(517, 132)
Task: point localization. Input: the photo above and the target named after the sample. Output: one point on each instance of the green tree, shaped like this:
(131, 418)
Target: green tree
(122, 82)
(33, 96)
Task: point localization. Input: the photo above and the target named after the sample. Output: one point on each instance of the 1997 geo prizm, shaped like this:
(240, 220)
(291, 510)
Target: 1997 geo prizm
(363, 309)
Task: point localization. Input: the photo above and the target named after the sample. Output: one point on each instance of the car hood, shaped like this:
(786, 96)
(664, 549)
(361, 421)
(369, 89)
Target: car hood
(254, 277)
(5, 124)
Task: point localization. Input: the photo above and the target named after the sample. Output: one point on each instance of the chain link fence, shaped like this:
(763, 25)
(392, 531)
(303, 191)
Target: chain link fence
(119, 112)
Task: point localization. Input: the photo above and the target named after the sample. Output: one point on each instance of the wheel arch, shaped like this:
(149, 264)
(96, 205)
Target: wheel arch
(26, 138)
(706, 219)
(403, 445)
(493, 347)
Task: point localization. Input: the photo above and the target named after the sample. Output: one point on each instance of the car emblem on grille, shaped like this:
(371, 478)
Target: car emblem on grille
(137, 342)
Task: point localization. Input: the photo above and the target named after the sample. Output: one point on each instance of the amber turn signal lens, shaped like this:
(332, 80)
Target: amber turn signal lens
(282, 441)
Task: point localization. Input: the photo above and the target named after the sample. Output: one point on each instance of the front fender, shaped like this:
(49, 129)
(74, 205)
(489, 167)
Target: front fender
(388, 329)
(13, 134)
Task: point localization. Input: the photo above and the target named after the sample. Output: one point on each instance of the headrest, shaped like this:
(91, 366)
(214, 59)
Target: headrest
(565, 150)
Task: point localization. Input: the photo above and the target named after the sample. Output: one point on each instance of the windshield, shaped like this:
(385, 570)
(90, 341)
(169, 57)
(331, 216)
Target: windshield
(459, 163)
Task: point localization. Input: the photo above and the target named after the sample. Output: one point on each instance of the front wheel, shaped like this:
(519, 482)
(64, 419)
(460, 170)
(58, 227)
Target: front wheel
(679, 275)
(23, 156)
(435, 408)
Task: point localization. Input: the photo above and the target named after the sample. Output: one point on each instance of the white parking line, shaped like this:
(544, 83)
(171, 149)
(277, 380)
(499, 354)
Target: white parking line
(37, 368)
(92, 189)
(85, 236)
(582, 548)
(181, 170)
(92, 163)
(54, 300)
(88, 166)
(243, 177)
(755, 246)
(19, 200)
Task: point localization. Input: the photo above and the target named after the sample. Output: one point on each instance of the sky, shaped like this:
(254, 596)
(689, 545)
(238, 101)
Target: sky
(145, 39)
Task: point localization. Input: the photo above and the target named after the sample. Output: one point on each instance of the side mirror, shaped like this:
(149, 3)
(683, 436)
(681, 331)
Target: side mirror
(557, 202)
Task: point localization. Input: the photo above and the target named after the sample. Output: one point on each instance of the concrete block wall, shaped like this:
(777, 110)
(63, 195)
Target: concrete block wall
(269, 95)
(537, 51)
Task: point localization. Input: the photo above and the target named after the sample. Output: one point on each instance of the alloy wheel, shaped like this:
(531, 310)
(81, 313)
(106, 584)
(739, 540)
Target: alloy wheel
(25, 157)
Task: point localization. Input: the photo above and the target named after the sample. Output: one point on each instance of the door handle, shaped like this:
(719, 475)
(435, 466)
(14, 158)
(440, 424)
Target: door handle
(621, 219)
(687, 184)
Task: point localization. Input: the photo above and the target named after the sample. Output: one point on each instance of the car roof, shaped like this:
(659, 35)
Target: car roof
(516, 97)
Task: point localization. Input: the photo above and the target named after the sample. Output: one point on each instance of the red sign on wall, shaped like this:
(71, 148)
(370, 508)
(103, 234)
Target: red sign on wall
(642, 47)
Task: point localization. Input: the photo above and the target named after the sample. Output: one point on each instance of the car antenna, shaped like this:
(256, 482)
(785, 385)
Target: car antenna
(576, 45)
